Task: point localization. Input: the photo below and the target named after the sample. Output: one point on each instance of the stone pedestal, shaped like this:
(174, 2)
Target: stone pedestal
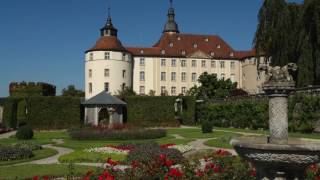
(278, 118)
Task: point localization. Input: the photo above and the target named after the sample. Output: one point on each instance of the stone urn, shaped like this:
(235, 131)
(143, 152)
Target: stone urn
(278, 156)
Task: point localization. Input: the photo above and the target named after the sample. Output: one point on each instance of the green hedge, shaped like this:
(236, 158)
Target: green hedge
(158, 110)
(10, 107)
(53, 112)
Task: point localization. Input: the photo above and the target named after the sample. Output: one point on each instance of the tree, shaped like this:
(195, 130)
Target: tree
(72, 91)
(212, 87)
(126, 91)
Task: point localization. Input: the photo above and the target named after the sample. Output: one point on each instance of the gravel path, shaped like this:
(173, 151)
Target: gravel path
(7, 135)
(199, 145)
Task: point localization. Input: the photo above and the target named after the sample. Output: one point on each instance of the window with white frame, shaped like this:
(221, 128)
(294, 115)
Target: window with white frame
(90, 87)
(223, 76)
(183, 90)
(163, 76)
(173, 90)
(183, 77)
(183, 63)
(233, 78)
(232, 65)
(163, 90)
(123, 86)
(90, 56)
(123, 56)
(173, 76)
(106, 72)
(222, 64)
(213, 64)
(90, 73)
(142, 90)
(163, 62)
(173, 62)
(106, 55)
(106, 86)
(203, 63)
(124, 73)
(142, 62)
(142, 78)
(194, 77)
(194, 63)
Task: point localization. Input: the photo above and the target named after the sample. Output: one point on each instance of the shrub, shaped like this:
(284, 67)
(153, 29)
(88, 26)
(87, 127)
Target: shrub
(89, 133)
(28, 145)
(206, 127)
(148, 153)
(24, 132)
(14, 152)
(10, 112)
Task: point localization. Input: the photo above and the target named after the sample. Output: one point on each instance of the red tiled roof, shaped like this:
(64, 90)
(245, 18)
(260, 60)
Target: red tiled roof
(189, 43)
(110, 43)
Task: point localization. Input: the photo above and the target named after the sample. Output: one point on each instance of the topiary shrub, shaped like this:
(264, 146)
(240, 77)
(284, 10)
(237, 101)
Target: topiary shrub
(13, 152)
(206, 127)
(24, 132)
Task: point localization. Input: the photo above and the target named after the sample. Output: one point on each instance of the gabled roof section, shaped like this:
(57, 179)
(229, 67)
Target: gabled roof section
(184, 45)
(104, 98)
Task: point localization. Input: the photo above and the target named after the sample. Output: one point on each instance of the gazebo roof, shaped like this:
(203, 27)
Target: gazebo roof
(104, 98)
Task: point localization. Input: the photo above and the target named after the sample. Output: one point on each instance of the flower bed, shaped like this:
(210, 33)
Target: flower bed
(91, 133)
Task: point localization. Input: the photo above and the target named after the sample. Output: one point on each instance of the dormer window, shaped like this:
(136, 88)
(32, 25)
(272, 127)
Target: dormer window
(179, 38)
(206, 39)
(218, 46)
(231, 54)
(212, 54)
(163, 51)
(183, 52)
(141, 51)
(195, 45)
(171, 44)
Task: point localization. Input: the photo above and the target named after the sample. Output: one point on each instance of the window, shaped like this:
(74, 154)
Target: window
(124, 73)
(163, 90)
(142, 90)
(142, 63)
(194, 63)
(213, 64)
(183, 77)
(179, 38)
(206, 39)
(173, 76)
(222, 64)
(163, 62)
(123, 86)
(90, 73)
(106, 55)
(163, 76)
(232, 65)
(173, 63)
(142, 76)
(90, 87)
(194, 77)
(171, 44)
(233, 78)
(173, 90)
(183, 63)
(141, 51)
(223, 76)
(183, 90)
(203, 63)
(123, 56)
(106, 72)
(106, 87)
(183, 52)
(90, 56)
(218, 46)
(163, 51)
(231, 54)
(195, 45)
(212, 54)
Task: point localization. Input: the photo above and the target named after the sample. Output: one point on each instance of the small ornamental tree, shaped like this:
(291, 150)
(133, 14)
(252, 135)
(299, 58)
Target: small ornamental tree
(72, 92)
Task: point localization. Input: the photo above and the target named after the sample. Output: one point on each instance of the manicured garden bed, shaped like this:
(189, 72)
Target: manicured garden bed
(90, 157)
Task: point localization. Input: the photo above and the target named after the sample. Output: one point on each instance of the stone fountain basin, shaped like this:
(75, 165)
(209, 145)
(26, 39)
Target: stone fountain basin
(297, 153)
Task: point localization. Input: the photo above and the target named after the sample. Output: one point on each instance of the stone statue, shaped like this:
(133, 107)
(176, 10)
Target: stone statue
(281, 74)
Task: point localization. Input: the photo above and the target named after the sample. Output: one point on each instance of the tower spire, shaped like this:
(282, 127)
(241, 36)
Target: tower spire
(171, 26)
(108, 29)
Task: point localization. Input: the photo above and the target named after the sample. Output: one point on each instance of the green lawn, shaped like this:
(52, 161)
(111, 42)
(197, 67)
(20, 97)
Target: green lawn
(55, 170)
(222, 142)
(195, 133)
(90, 157)
(38, 154)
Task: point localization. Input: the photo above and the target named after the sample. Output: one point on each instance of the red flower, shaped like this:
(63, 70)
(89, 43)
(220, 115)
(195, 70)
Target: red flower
(164, 146)
(35, 177)
(45, 178)
(222, 152)
(199, 173)
(217, 169)
(134, 164)
(168, 163)
(111, 162)
(174, 172)
(253, 173)
(106, 176)
(314, 168)
(89, 173)
(163, 157)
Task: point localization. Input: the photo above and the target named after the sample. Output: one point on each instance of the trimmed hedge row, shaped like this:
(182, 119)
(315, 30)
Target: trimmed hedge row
(303, 112)
(10, 106)
(158, 110)
(14, 152)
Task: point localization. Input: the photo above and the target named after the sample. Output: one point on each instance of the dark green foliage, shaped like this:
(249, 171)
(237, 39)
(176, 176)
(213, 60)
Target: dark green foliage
(189, 110)
(14, 152)
(212, 87)
(10, 112)
(54, 112)
(108, 134)
(207, 126)
(126, 92)
(25, 89)
(157, 110)
(149, 153)
(21, 112)
(24, 132)
(72, 91)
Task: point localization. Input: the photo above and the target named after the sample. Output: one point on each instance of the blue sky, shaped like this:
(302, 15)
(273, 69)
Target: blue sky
(45, 40)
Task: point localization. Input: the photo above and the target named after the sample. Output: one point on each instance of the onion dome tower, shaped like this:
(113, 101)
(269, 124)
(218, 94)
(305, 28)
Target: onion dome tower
(108, 65)
(171, 26)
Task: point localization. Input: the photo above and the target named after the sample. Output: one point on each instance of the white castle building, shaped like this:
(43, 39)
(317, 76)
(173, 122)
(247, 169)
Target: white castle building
(171, 66)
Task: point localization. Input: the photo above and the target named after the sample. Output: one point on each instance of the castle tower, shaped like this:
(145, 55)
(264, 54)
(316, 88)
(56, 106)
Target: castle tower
(171, 26)
(108, 65)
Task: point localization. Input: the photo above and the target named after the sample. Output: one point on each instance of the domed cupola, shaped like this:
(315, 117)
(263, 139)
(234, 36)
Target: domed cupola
(108, 29)
(171, 26)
